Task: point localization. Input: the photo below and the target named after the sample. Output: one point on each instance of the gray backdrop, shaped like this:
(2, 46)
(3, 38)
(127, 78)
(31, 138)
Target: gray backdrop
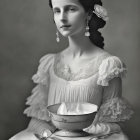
(27, 32)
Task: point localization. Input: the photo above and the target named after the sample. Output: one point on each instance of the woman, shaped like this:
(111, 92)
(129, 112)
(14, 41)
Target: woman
(81, 72)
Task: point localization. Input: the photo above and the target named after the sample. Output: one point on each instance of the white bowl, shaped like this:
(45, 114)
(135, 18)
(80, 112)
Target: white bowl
(73, 122)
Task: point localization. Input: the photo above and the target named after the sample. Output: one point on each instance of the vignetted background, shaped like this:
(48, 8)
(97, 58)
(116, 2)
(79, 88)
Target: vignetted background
(27, 32)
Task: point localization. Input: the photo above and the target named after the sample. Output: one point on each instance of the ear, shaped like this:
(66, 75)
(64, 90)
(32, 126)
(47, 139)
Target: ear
(89, 15)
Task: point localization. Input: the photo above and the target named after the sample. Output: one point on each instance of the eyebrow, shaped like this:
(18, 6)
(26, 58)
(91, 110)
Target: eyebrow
(67, 6)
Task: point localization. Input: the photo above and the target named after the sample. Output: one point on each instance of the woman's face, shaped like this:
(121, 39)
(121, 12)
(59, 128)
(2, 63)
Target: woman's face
(69, 16)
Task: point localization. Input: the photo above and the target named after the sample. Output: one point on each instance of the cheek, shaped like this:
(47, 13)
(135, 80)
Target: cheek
(80, 20)
(55, 20)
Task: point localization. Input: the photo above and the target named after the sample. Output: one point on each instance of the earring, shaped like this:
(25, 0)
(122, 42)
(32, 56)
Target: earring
(57, 37)
(87, 33)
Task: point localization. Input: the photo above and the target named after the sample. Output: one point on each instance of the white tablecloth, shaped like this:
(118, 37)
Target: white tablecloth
(24, 135)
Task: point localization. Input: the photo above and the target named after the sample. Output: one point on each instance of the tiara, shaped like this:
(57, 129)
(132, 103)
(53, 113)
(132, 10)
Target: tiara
(101, 12)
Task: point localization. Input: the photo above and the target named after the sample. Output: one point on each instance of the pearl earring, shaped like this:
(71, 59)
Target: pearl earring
(57, 37)
(87, 33)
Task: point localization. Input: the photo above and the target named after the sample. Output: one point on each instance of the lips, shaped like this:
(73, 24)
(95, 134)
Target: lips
(65, 26)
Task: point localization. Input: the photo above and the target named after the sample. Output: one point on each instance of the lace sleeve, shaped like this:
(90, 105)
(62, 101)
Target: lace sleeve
(115, 110)
(38, 100)
(114, 107)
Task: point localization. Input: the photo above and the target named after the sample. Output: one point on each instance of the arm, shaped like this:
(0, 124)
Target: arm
(114, 109)
(40, 120)
(102, 124)
(38, 101)
(38, 126)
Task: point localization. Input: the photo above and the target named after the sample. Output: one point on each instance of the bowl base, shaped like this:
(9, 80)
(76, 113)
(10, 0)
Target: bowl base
(68, 133)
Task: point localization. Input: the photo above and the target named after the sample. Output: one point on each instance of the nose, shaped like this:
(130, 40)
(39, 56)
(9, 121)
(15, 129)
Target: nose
(63, 16)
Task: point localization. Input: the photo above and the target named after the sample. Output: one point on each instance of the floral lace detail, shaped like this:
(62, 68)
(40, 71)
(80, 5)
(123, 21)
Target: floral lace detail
(63, 71)
(115, 110)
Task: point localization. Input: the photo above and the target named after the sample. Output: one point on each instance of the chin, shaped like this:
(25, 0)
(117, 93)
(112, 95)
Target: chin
(71, 33)
(66, 34)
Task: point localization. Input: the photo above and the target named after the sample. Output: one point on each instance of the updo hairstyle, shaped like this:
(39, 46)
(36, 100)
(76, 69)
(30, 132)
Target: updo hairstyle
(95, 22)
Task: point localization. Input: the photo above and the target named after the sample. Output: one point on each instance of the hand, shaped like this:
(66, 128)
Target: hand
(46, 134)
(90, 129)
(97, 129)
(39, 126)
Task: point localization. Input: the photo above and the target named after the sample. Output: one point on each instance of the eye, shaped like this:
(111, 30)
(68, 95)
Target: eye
(55, 11)
(72, 9)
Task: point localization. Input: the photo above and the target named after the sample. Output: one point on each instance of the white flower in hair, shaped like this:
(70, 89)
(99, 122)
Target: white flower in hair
(101, 12)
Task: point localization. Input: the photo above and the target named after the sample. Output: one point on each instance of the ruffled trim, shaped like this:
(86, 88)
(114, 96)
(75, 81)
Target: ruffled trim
(38, 111)
(115, 110)
(38, 100)
(110, 68)
(38, 107)
(40, 77)
(36, 97)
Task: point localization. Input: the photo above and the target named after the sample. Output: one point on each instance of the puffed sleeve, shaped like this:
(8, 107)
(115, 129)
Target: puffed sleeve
(38, 100)
(110, 68)
(114, 108)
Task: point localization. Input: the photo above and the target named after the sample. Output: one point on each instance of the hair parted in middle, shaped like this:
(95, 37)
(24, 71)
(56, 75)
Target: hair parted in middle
(95, 22)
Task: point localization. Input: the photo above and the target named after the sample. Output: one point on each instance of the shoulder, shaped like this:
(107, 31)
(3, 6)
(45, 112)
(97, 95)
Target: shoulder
(43, 69)
(110, 62)
(110, 67)
(107, 59)
(46, 61)
(48, 58)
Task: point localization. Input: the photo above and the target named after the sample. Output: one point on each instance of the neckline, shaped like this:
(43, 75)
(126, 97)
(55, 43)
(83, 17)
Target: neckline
(72, 80)
(63, 71)
(61, 56)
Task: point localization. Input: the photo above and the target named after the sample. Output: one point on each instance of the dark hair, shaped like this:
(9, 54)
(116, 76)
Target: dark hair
(95, 23)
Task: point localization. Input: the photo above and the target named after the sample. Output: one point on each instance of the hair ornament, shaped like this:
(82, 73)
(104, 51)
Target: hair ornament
(101, 12)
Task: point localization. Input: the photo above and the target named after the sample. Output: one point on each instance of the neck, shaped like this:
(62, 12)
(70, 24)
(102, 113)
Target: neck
(79, 45)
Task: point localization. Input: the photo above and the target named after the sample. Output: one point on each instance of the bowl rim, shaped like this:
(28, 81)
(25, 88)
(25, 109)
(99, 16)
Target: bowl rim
(71, 115)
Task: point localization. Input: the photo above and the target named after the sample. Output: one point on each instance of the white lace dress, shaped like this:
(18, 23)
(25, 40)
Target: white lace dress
(99, 82)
